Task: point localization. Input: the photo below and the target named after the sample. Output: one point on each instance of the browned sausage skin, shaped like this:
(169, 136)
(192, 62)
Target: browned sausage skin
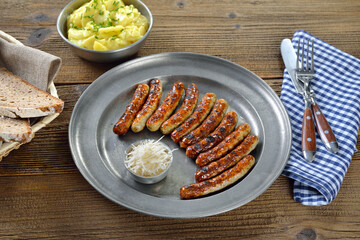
(200, 113)
(185, 110)
(152, 102)
(169, 104)
(123, 124)
(228, 161)
(206, 127)
(228, 144)
(225, 179)
(225, 128)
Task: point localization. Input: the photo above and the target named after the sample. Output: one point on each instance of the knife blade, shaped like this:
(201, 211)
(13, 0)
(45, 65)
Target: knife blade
(326, 134)
(289, 57)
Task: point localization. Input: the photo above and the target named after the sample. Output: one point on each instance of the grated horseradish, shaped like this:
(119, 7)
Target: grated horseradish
(148, 158)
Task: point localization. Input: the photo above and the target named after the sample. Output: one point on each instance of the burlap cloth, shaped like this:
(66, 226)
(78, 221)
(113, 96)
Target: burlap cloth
(37, 67)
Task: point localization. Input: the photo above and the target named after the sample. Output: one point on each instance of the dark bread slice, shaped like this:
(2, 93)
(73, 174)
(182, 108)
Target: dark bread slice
(18, 98)
(15, 130)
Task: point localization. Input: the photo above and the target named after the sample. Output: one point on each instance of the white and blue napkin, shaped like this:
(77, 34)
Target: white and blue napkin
(337, 89)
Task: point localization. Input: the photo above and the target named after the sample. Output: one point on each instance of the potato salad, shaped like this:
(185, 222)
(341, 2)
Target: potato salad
(104, 25)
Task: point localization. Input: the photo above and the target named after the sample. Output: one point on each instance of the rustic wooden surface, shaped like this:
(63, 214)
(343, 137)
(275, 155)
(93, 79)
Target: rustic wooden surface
(43, 195)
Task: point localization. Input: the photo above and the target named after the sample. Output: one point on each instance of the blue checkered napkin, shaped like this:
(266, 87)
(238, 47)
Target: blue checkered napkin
(337, 89)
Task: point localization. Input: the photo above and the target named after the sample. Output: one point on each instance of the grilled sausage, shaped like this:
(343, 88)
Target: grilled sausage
(225, 146)
(206, 127)
(123, 124)
(169, 104)
(200, 113)
(186, 109)
(152, 102)
(225, 179)
(225, 128)
(216, 167)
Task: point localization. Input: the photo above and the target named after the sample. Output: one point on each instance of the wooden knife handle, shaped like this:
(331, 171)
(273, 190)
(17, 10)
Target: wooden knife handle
(326, 134)
(308, 135)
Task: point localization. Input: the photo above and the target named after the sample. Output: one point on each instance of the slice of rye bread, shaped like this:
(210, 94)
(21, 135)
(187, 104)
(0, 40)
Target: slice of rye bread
(15, 130)
(18, 98)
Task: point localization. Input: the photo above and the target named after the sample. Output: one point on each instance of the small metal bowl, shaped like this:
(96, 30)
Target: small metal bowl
(153, 179)
(103, 56)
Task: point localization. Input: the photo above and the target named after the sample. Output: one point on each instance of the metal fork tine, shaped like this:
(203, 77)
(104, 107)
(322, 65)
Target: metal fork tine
(302, 56)
(297, 56)
(307, 55)
(312, 56)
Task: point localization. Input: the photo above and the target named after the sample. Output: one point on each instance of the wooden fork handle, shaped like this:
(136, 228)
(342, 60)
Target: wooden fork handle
(326, 134)
(308, 135)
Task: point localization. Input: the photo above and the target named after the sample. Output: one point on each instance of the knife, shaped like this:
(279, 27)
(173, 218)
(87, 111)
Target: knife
(326, 134)
(308, 138)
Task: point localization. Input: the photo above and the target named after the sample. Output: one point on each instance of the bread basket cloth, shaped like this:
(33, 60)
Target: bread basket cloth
(37, 67)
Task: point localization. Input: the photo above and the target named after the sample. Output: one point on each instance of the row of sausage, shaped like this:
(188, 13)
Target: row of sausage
(204, 129)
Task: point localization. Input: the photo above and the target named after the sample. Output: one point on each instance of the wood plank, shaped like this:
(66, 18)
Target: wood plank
(245, 32)
(51, 206)
(43, 195)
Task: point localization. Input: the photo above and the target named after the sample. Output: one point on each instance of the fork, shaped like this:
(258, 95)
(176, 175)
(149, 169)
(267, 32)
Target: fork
(305, 74)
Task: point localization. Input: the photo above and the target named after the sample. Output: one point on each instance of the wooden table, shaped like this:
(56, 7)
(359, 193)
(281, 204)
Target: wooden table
(43, 195)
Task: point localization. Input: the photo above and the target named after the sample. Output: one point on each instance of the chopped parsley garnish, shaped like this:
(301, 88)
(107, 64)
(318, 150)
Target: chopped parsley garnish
(72, 25)
(91, 17)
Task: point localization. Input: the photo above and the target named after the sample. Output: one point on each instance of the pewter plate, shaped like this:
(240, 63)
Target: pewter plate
(99, 153)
